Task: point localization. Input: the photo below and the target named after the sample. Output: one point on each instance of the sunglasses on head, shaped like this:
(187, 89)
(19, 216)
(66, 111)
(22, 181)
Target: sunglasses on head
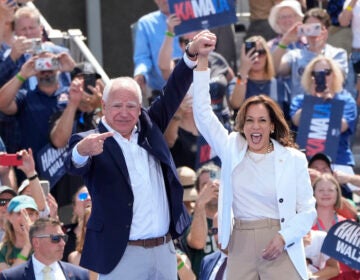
(261, 52)
(54, 238)
(327, 72)
(4, 202)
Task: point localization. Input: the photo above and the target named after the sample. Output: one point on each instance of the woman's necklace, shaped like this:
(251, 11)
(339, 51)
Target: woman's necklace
(256, 158)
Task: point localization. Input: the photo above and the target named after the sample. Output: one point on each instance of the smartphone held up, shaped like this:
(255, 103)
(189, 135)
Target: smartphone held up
(10, 160)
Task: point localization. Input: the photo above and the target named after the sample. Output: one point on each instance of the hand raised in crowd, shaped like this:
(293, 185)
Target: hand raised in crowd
(247, 60)
(76, 92)
(26, 222)
(94, 99)
(67, 63)
(291, 35)
(19, 47)
(275, 248)
(172, 21)
(28, 165)
(93, 144)
(28, 68)
(53, 206)
(209, 192)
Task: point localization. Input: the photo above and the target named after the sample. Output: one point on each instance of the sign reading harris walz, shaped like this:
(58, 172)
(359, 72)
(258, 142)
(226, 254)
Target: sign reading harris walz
(343, 243)
(202, 14)
(320, 126)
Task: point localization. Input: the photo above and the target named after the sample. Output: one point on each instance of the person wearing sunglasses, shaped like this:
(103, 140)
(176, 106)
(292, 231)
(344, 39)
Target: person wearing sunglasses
(323, 78)
(48, 242)
(6, 194)
(22, 211)
(293, 62)
(257, 76)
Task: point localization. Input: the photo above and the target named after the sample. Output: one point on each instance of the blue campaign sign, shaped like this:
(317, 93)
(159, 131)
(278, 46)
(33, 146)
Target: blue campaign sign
(342, 243)
(320, 126)
(202, 14)
(50, 163)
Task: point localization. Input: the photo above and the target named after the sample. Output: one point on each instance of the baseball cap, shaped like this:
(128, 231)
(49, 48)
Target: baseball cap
(187, 178)
(84, 68)
(292, 4)
(320, 156)
(6, 189)
(21, 202)
(23, 186)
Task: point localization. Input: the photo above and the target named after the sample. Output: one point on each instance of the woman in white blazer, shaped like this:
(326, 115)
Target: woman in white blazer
(266, 202)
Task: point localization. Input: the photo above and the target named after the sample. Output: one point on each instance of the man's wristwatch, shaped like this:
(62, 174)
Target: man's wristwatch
(191, 55)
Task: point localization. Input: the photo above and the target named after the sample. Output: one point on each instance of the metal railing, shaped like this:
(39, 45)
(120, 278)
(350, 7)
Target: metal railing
(74, 40)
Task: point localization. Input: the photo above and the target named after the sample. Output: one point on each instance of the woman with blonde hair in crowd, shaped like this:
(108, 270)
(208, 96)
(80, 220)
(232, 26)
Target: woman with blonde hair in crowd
(323, 78)
(327, 193)
(16, 246)
(256, 76)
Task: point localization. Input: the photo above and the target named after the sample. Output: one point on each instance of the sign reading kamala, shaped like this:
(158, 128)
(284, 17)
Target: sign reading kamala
(320, 126)
(202, 14)
(343, 243)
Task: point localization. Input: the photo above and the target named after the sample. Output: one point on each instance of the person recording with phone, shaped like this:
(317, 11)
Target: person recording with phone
(257, 76)
(33, 108)
(315, 26)
(323, 78)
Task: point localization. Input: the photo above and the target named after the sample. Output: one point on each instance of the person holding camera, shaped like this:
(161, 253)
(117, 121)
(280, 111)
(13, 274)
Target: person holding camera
(323, 78)
(33, 108)
(293, 62)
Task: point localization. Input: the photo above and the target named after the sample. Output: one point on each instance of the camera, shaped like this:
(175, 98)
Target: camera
(249, 46)
(320, 81)
(47, 64)
(10, 160)
(309, 29)
(35, 46)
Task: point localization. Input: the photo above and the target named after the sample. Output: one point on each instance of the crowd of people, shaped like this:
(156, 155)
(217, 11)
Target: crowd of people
(191, 168)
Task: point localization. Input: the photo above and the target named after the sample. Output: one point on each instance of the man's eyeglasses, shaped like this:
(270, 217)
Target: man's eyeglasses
(4, 202)
(54, 238)
(327, 72)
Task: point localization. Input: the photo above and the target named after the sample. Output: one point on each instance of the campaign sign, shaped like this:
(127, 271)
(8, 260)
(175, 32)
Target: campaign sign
(202, 14)
(50, 163)
(320, 126)
(343, 243)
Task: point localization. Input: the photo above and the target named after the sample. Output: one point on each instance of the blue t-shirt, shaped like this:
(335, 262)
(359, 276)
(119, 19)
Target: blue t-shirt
(34, 111)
